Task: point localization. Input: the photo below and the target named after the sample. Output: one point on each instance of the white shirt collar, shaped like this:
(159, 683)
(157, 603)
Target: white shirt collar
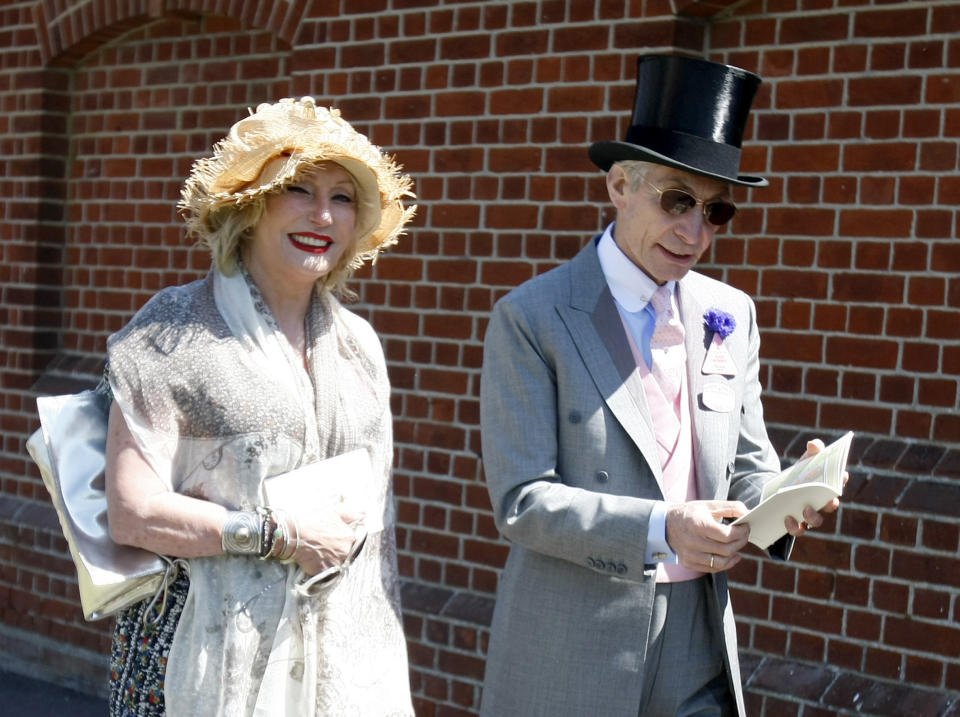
(630, 286)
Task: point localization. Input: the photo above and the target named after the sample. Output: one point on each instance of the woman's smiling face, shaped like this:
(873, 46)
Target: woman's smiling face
(307, 228)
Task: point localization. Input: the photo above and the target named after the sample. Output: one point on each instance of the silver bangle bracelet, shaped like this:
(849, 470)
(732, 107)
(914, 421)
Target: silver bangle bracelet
(242, 533)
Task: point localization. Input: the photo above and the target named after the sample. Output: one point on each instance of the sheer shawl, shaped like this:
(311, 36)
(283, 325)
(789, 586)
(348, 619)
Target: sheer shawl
(217, 400)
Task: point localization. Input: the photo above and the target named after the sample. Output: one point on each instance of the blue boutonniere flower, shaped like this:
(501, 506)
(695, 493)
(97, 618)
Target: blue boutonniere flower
(720, 322)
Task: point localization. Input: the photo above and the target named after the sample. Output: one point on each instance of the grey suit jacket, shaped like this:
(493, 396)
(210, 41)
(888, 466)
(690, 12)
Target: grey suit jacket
(571, 464)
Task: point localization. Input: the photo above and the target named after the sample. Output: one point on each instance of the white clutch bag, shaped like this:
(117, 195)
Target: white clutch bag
(346, 478)
(69, 448)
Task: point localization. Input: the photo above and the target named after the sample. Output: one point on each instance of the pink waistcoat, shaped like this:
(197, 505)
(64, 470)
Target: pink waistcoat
(675, 447)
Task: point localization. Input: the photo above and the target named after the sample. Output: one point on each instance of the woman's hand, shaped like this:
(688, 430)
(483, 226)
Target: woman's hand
(327, 537)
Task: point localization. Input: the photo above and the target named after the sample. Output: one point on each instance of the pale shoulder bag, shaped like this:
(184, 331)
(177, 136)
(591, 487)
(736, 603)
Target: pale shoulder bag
(70, 450)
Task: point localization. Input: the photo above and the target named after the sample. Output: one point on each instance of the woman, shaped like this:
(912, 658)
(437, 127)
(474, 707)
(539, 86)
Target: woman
(252, 372)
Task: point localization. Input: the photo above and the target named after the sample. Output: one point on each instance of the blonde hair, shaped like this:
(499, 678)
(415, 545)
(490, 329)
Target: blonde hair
(227, 229)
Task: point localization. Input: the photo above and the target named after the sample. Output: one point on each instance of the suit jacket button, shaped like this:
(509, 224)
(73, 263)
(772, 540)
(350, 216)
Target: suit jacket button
(611, 567)
(574, 417)
(599, 564)
(591, 562)
(602, 476)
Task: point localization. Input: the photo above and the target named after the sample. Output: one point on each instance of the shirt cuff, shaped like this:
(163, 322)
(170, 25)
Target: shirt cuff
(658, 550)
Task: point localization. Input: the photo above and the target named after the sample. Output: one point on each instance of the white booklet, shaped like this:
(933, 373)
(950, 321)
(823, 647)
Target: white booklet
(346, 478)
(813, 481)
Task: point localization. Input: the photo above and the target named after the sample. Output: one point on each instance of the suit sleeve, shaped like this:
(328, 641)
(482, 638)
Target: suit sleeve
(534, 506)
(756, 460)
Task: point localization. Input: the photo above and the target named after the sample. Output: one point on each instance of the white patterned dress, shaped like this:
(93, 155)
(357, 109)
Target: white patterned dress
(217, 401)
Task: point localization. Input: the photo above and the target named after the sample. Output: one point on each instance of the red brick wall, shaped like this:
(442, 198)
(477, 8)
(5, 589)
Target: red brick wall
(853, 255)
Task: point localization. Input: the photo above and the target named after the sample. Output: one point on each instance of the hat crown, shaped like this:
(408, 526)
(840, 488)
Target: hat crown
(691, 96)
(688, 113)
(298, 123)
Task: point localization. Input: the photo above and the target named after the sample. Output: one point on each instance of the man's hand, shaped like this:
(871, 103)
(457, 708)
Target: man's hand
(812, 518)
(701, 540)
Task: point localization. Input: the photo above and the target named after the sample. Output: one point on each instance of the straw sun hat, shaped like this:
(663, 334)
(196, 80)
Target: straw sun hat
(275, 145)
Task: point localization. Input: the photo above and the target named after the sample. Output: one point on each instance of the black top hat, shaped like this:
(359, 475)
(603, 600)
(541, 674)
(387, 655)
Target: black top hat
(689, 114)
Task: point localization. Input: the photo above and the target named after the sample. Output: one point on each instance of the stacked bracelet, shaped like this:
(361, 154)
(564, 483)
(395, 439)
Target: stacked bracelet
(280, 540)
(295, 543)
(263, 532)
(286, 540)
(242, 533)
(269, 532)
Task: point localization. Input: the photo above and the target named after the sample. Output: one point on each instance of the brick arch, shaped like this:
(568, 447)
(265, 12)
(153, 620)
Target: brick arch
(707, 9)
(69, 34)
(127, 106)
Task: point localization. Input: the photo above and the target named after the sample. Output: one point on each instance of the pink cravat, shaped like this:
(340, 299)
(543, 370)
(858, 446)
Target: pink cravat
(674, 433)
(666, 348)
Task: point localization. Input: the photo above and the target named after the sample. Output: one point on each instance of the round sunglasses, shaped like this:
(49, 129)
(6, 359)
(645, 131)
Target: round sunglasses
(676, 202)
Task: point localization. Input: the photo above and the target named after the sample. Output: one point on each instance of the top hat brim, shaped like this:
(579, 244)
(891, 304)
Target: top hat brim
(605, 154)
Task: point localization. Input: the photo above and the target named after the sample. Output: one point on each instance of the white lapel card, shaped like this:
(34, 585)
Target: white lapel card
(346, 478)
(718, 397)
(718, 360)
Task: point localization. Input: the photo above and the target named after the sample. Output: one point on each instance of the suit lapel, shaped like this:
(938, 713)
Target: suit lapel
(710, 428)
(597, 331)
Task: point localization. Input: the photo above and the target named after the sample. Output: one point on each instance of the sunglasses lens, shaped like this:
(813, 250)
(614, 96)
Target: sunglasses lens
(719, 213)
(676, 202)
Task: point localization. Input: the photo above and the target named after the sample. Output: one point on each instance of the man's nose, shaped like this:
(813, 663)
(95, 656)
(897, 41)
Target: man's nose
(693, 227)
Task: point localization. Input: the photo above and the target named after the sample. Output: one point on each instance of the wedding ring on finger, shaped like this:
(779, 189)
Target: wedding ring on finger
(712, 557)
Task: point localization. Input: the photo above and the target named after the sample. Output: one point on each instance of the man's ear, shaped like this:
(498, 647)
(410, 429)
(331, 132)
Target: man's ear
(618, 183)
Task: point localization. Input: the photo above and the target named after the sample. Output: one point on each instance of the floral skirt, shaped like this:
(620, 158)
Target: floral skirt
(138, 656)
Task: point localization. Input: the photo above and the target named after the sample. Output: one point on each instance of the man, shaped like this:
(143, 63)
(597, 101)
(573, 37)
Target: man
(619, 440)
